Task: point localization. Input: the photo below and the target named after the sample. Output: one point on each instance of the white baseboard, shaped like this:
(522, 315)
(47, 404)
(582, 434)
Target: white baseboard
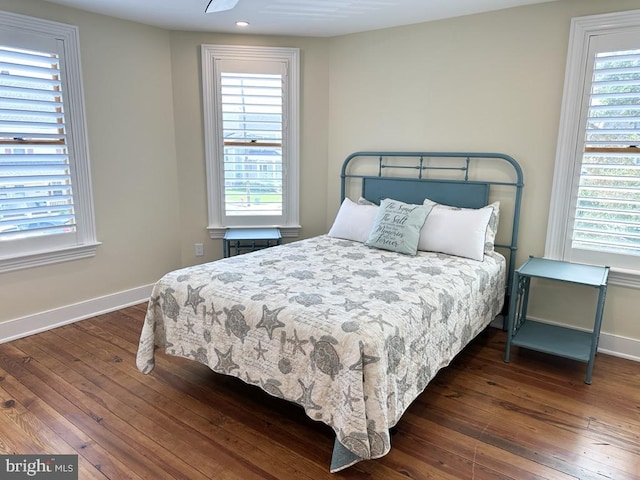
(40, 322)
(618, 346)
(609, 343)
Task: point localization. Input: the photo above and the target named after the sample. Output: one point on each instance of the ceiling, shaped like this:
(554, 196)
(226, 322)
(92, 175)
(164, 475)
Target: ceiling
(317, 18)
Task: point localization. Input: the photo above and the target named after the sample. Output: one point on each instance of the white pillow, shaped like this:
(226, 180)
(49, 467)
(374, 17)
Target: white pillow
(353, 221)
(456, 231)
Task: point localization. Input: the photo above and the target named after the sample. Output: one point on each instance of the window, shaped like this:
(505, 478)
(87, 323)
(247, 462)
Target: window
(251, 137)
(595, 205)
(46, 212)
(251, 105)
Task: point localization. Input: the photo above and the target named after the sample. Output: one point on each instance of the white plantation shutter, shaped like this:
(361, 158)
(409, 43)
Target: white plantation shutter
(252, 128)
(36, 196)
(607, 215)
(46, 209)
(595, 205)
(251, 119)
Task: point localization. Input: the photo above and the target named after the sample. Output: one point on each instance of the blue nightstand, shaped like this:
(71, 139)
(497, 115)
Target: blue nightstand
(242, 240)
(553, 339)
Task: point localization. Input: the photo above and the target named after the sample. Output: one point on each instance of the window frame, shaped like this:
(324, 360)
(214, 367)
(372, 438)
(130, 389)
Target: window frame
(568, 157)
(214, 142)
(84, 243)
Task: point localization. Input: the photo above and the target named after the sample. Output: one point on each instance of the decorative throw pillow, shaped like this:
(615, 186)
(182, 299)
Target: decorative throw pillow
(464, 232)
(364, 201)
(397, 226)
(492, 230)
(353, 221)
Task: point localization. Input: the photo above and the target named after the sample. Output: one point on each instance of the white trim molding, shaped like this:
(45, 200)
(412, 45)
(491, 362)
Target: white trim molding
(43, 321)
(609, 344)
(567, 170)
(48, 249)
(48, 257)
(211, 55)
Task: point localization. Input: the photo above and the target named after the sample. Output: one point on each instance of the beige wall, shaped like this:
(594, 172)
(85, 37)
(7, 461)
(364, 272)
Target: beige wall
(489, 82)
(144, 115)
(128, 96)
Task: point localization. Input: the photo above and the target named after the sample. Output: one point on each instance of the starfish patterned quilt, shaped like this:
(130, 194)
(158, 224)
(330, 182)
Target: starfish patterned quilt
(351, 333)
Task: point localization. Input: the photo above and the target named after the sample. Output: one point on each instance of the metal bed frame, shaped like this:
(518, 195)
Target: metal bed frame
(420, 175)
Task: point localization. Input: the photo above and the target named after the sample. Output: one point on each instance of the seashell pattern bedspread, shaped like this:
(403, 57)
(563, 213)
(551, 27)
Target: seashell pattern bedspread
(350, 333)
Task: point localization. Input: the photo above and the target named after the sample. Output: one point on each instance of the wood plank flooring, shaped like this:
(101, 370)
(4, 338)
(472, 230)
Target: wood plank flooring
(76, 390)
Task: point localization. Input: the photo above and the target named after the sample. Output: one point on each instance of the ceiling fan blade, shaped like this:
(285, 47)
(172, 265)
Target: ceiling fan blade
(220, 5)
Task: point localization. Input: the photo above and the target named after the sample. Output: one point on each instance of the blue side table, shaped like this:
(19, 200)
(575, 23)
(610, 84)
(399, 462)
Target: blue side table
(242, 240)
(553, 339)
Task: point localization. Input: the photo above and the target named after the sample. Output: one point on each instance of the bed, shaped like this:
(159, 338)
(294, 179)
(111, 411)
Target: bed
(350, 330)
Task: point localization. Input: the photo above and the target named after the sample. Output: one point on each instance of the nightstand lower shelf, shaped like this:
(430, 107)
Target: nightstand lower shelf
(553, 339)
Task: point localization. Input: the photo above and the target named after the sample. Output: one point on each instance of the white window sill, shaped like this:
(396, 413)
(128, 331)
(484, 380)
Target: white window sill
(624, 278)
(38, 259)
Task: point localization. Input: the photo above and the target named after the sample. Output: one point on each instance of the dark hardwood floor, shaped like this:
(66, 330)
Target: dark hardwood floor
(76, 390)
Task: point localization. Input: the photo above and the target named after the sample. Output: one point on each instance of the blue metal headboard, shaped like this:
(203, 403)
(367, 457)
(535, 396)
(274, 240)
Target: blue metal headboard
(413, 176)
